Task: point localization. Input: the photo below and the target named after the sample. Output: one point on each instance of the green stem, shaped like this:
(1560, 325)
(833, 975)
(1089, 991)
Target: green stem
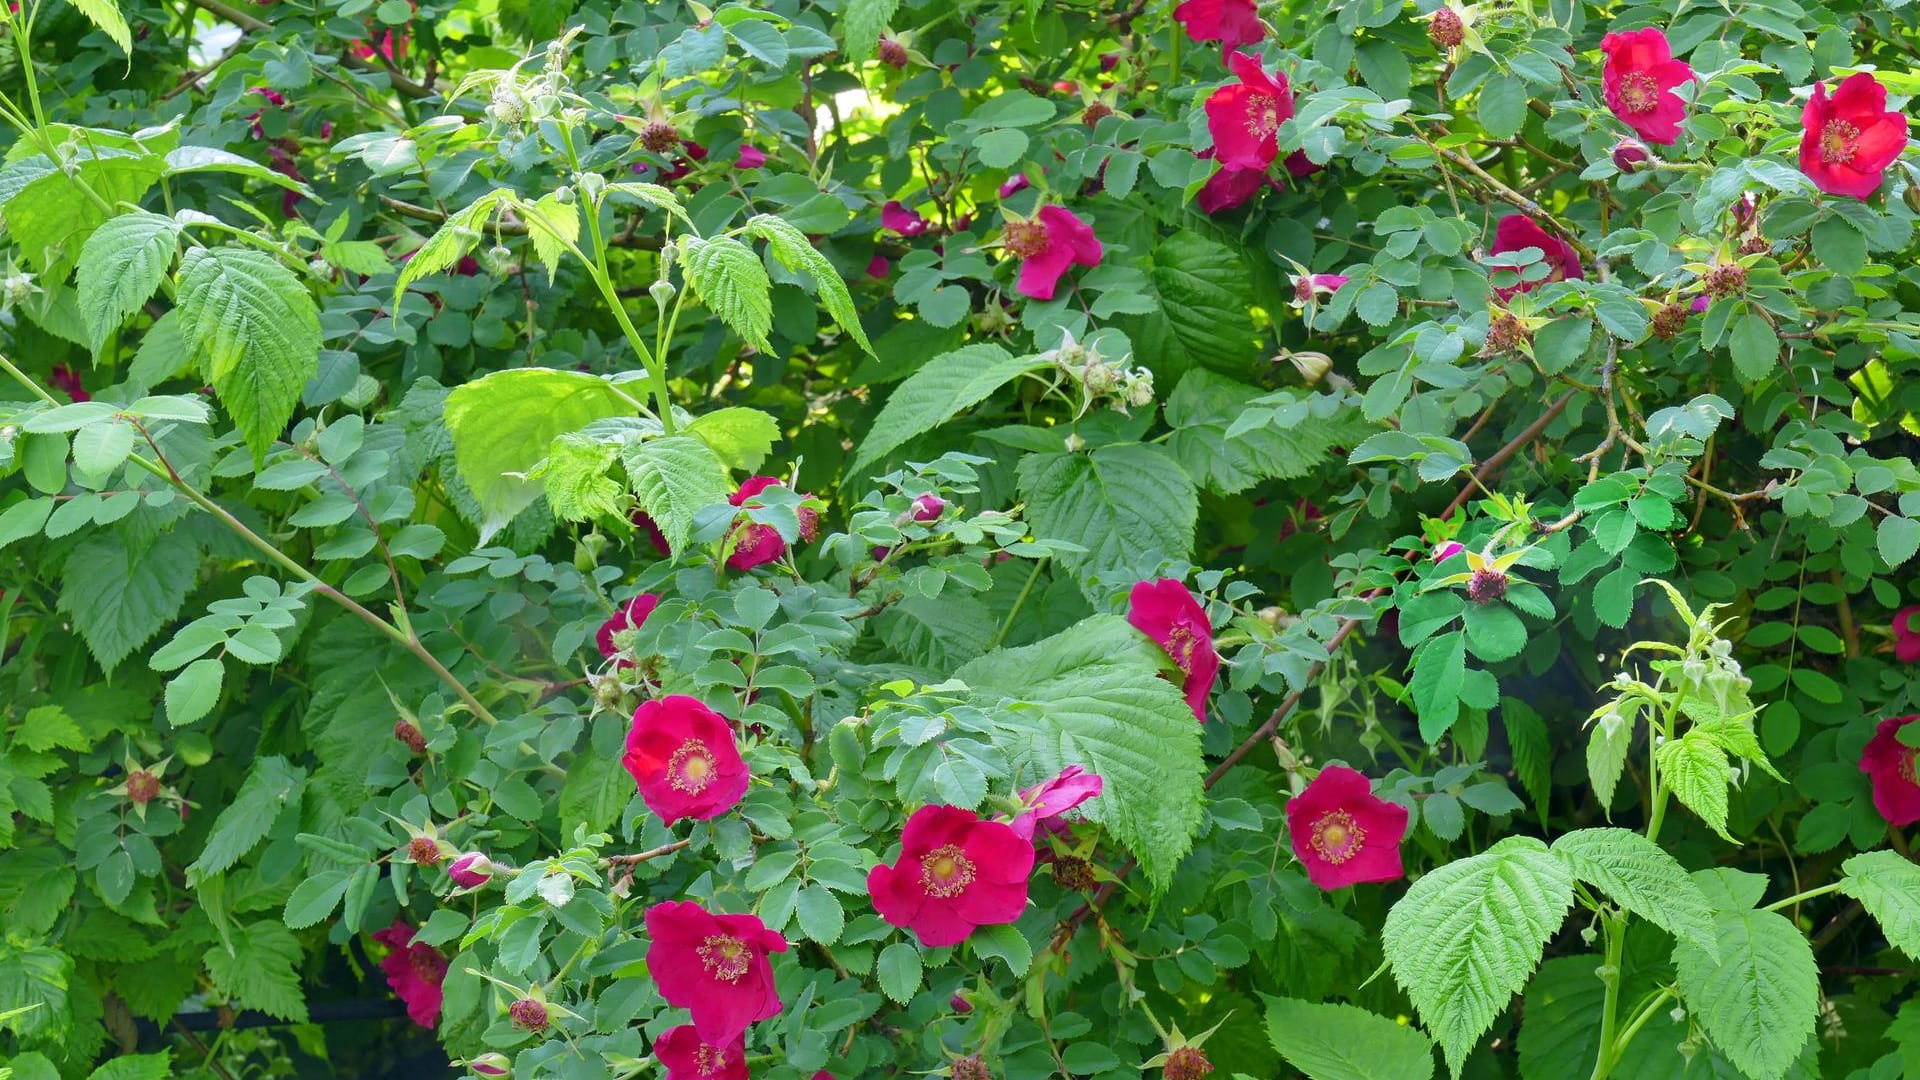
(1006, 625)
(1640, 1020)
(1799, 897)
(1616, 931)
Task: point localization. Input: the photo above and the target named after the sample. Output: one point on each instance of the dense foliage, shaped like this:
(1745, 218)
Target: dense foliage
(980, 538)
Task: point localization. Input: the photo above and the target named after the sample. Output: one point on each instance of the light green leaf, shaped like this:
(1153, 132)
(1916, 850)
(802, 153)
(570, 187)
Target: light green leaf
(946, 386)
(244, 823)
(50, 216)
(315, 898)
(862, 24)
(1888, 886)
(1642, 878)
(1092, 695)
(1331, 1041)
(1467, 936)
(554, 226)
(1205, 406)
(1898, 538)
(457, 235)
(793, 250)
(673, 479)
(1757, 1000)
(105, 14)
(729, 278)
(257, 332)
(1695, 769)
(136, 1067)
(1438, 677)
(119, 596)
(503, 424)
(820, 914)
(1006, 943)
(741, 437)
(121, 265)
(193, 693)
(1755, 346)
(1128, 505)
(575, 478)
(98, 449)
(1607, 754)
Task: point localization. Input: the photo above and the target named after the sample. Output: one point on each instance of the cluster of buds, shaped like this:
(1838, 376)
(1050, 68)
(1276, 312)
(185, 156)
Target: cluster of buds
(1101, 379)
(517, 98)
(1726, 279)
(1670, 320)
(16, 288)
(1446, 29)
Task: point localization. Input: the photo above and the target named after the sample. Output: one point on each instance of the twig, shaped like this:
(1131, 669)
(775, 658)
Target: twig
(401, 84)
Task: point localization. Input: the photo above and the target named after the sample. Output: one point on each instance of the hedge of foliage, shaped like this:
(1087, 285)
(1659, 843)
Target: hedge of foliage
(819, 539)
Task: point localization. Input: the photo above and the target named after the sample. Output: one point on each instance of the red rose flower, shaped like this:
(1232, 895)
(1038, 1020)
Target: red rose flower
(1906, 636)
(878, 267)
(1850, 138)
(1888, 762)
(684, 759)
(755, 544)
(1516, 232)
(651, 528)
(631, 616)
(1046, 802)
(1232, 23)
(956, 871)
(67, 381)
(1166, 612)
(713, 966)
(1342, 833)
(1639, 79)
(1046, 244)
(470, 871)
(895, 217)
(1244, 118)
(414, 971)
(1229, 188)
(750, 157)
(688, 1058)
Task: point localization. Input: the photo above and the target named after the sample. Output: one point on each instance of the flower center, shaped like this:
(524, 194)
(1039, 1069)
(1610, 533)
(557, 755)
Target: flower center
(1263, 118)
(726, 957)
(1337, 837)
(1837, 142)
(945, 871)
(690, 769)
(142, 787)
(1026, 239)
(1639, 92)
(1181, 642)
(710, 1060)
(427, 963)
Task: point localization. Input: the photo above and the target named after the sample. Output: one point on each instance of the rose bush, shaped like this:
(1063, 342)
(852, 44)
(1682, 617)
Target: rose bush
(974, 538)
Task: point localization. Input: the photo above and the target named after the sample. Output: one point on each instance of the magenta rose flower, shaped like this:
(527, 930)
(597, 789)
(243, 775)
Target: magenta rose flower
(929, 508)
(956, 871)
(1516, 232)
(1245, 117)
(1848, 140)
(1046, 245)
(1638, 81)
(414, 971)
(1906, 636)
(1888, 763)
(1308, 288)
(713, 966)
(1166, 612)
(754, 544)
(1232, 23)
(684, 759)
(631, 616)
(750, 157)
(470, 871)
(1046, 802)
(1014, 185)
(1230, 187)
(687, 1057)
(896, 218)
(1342, 833)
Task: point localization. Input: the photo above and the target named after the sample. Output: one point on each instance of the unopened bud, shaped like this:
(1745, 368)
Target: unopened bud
(528, 1015)
(491, 1065)
(1312, 366)
(662, 292)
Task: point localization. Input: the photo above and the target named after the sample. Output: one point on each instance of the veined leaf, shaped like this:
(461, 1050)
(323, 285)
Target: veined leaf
(862, 24)
(120, 595)
(1888, 886)
(1129, 506)
(1696, 771)
(794, 251)
(728, 277)
(503, 424)
(456, 236)
(1467, 936)
(673, 479)
(1330, 1041)
(105, 14)
(948, 385)
(740, 436)
(262, 972)
(244, 823)
(1092, 695)
(1641, 877)
(1205, 406)
(1757, 1000)
(554, 226)
(258, 334)
(121, 265)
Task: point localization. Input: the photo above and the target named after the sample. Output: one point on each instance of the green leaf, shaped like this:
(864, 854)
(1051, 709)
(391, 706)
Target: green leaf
(1839, 247)
(98, 449)
(1695, 769)
(1092, 695)
(257, 332)
(595, 792)
(1755, 346)
(793, 250)
(741, 437)
(1330, 1041)
(1757, 1000)
(673, 479)
(899, 970)
(820, 914)
(51, 215)
(938, 634)
(455, 237)
(1898, 538)
(1205, 406)
(1532, 751)
(121, 265)
(1467, 936)
(33, 990)
(1006, 943)
(105, 14)
(503, 424)
(271, 785)
(48, 727)
(194, 692)
(119, 596)
(946, 386)
(1642, 878)
(315, 897)
(1130, 506)
(729, 278)
(862, 24)
(1607, 755)
(575, 479)
(1438, 677)
(1494, 632)
(1888, 886)
(262, 972)
(553, 227)
(1204, 293)
(1503, 105)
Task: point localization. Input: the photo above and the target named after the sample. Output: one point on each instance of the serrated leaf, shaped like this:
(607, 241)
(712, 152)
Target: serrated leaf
(1468, 935)
(503, 424)
(456, 236)
(741, 437)
(1204, 408)
(262, 972)
(938, 634)
(862, 24)
(1641, 877)
(1438, 677)
(1331, 1041)
(1888, 886)
(553, 226)
(793, 250)
(1897, 538)
(820, 914)
(257, 332)
(1757, 999)
(1532, 751)
(946, 386)
(193, 693)
(1092, 696)
(315, 897)
(1696, 770)
(731, 281)
(136, 1067)
(1129, 506)
(898, 968)
(1005, 943)
(271, 785)
(121, 265)
(119, 596)
(1203, 292)
(575, 478)
(105, 14)
(673, 479)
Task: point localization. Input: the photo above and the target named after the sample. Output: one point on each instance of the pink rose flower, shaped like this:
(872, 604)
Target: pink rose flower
(414, 971)
(1046, 245)
(1888, 763)
(1343, 833)
(1232, 23)
(631, 616)
(688, 1057)
(1166, 612)
(683, 757)
(956, 871)
(1046, 802)
(713, 966)
(1245, 118)
(1638, 81)
(1516, 232)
